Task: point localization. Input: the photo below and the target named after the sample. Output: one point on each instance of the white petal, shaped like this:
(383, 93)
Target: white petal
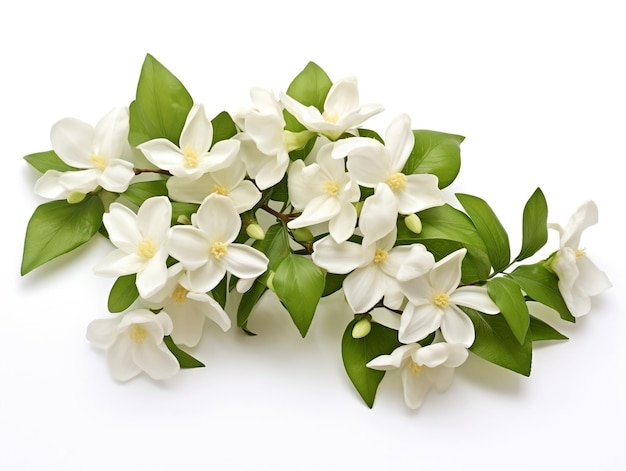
(197, 132)
(164, 155)
(591, 280)
(189, 246)
(156, 360)
(116, 176)
(319, 209)
(378, 214)
(111, 134)
(421, 193)
(335, 257)
(364, 288)
(244, 261)
(457, 327)
(399, 141)
(83, 181)
(206, 277)
(189, 189)
(370, 165)
(408, 262)
(49, 186)
(102, 332)
(220, 156)
(392, 361)
(416, 387)
(343, 97)
(188, 321)
(119, 263)
(244, 196)
(446, 274)
(267, 132)
(218, 219)
(342, 225)
(72, 141)
(475, 297)
(154, 217)
(215, 312)
(586, 215)
(120, 360)
(121, 225)
(343, 147)
(153, 276)
(417, 322)
(417, 290)
(441, 353)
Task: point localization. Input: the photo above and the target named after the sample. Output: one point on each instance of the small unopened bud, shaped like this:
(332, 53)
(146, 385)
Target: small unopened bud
(183, 219)
(362, 328)
(358, 206)
(255, 231)
(413, 223)
(302, 234)
(270, 280)
(75, 197)
(297, 140)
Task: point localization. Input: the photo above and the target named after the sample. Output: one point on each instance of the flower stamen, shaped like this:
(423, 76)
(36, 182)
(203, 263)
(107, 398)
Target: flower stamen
(441, 300)
(397, 181)
(580, 253)
(179, 295)
(331, 117)
(191, 157)
(218, 250)
(414, 368)
(137, 333)
(220, 190)
(331, 188)
(146, 248)
(380, 255)
(98, 161)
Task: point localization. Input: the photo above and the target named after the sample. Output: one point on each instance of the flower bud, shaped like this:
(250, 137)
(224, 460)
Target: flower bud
(413, 223)
(297, 140)
(302, 234)
(183, 219)
(75, 197)
(270, 280)
(358, 206)
(362, 328)
(255, 231)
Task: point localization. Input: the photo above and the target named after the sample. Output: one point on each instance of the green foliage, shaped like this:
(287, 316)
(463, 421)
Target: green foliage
(48, 160)
(184, 359)
(496, 343)
(223, 127)
(139, 192)
(539, 330)
(58, 227)
(436, 153)
(541, 285)
(310, 88)
(161, 105)
(489, 229)
(534, 225)
(510, 299)
(123, 293)
(356, 353)
(299, 285)
(446, 229)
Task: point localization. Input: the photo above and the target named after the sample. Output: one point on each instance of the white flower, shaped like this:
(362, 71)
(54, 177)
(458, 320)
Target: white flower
(206, 248)
(433, 300)
(96, 152)
(187, 309)
(195, 156)
(422, 367)
(323, 191)
(379, 166)
(377, 268)
(264, 147)
(579, 278)
(134, 343)
(140, 241)
(229, 182)
(341, 110)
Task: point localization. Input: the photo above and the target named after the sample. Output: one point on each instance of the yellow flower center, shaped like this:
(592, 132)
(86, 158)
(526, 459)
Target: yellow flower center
(179, 295)
(191, 157)
(414, 368)
(441, 300)
(146, 248)
(331, 117)
(580, 253)
(220, 190)
(397, 181)
(99, 161)
(380, 255)
(331, 188)
(218, 250)
(137, 333)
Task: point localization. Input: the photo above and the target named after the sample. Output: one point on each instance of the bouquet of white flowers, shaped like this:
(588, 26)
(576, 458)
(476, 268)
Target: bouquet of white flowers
(180, 197)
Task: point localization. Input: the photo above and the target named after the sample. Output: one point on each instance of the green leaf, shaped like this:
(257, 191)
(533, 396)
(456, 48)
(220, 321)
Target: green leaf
(371, 134)
(333, 283)
(535, 225)
(490, 230)
(58, 227)
(161, 106)
(510, 299)
(444, 230)
(48, 160)
(299, 285)
(356, 353)
(542, 286)
(139, 192)
(123, 293)
(183, 209)
(247, 303)
(220, 292)
(275, 245)
(539, 330)
(223, 127)
(310, 88)
(436, 153)
(184, 359)
(496, 343)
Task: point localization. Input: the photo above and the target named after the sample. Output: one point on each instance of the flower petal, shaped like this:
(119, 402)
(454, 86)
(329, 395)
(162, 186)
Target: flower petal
(342, 225)
(320, 209)
(370, 165)
(197, 133)
(421, 192)
(218, 219)
(119, 263)
(49, 186)
(102, 332)
(591, 280)
(244, 261)
(399, 141)
(121, 225)
(364, 287)
(72, 140)
(111, 134)
(417, 322)
(415, 386)
(206, 277)
(164, 154)
(153, 276)
(116, 176)
(154, 217)
(120, 360)
(457, 327)
(475, 297)
(446, 274)
(378, 214)
(408, 262)
(220, 156)
(156, 360)
(340, 258)
(189, 246)
(393, 360)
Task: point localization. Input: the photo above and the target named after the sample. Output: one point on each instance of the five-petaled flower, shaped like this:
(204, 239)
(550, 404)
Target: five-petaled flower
(433, 303)
(134, 343)
(97, 154)
(422, 367)
(579, 278)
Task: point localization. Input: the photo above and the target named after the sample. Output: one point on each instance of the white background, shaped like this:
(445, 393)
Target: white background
(538, 89)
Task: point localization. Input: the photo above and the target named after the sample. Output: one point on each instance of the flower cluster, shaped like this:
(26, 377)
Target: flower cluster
(179, 196)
